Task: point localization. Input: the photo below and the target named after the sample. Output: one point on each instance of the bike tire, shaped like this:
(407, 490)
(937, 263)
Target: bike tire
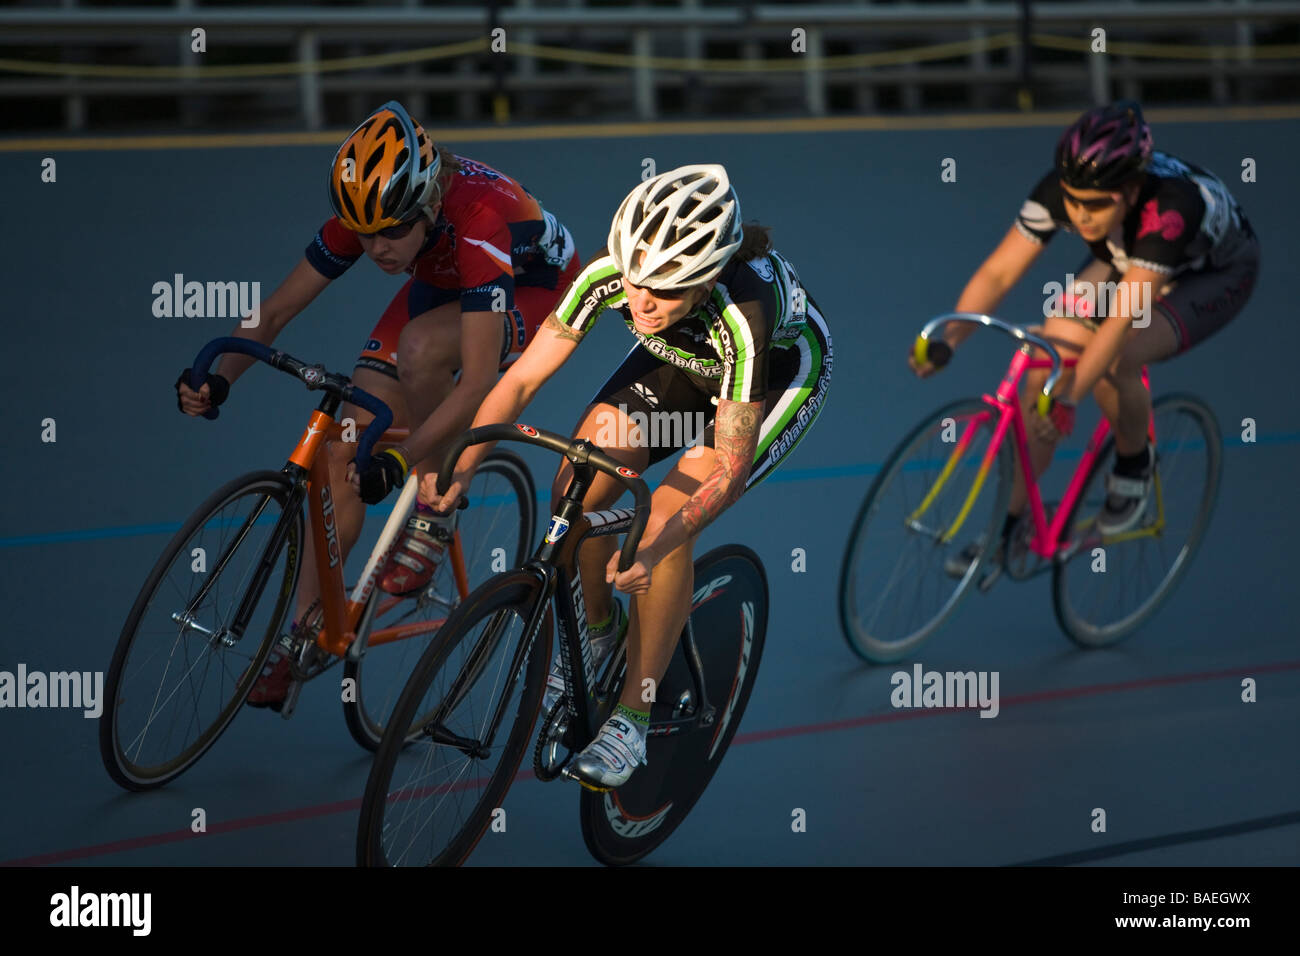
(866, 639)
(121, 685)
(623, 825)
(377, 687)
(1077, 626)
(511, 593)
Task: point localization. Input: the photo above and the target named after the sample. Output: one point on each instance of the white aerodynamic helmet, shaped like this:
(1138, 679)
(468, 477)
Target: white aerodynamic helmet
(686, 221)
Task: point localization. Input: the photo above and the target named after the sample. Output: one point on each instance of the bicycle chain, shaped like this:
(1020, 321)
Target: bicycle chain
(553, 729)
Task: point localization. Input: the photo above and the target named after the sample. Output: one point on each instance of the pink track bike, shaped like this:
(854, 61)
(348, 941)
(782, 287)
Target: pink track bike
(933, 497)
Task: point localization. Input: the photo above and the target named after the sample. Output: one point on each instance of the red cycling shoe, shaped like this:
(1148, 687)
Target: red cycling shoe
(416, 555)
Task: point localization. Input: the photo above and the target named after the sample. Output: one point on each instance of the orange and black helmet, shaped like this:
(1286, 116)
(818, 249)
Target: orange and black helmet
(385, 172)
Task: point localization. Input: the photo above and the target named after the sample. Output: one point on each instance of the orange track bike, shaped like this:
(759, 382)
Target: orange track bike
(216, 601)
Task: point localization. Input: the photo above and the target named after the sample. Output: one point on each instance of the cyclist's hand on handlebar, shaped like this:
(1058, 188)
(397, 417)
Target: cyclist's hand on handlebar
(214, 390)
(443, 504)
(385, 472)
(1057, 423)
(922, 371)
(941, 355)
(636, 579)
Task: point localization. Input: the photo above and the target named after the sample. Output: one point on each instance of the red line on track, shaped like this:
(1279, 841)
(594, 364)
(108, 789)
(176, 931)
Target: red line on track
(344, 806)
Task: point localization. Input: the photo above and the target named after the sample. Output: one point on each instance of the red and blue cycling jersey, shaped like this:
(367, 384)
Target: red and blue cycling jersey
(491, 235)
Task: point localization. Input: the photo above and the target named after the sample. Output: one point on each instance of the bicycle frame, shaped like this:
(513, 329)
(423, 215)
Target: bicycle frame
(555, 565)
(342, 612)
(1046, 541)
(309, 471)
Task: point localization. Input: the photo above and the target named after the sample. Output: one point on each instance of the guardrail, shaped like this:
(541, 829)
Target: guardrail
(632, 59)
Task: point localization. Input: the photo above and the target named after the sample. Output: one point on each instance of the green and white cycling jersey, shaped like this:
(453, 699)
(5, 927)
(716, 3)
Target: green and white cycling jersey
(723, 345)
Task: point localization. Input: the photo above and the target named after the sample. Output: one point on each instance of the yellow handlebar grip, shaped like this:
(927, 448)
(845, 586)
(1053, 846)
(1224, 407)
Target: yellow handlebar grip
(1044, 404)
(921, 350)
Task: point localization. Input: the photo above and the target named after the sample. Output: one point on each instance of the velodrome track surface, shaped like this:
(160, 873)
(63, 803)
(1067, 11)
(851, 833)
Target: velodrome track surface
(1153, 731)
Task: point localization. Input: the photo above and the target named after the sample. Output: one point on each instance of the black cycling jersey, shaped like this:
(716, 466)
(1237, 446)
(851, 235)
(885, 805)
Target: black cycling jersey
(723, 345)
(1184, 220)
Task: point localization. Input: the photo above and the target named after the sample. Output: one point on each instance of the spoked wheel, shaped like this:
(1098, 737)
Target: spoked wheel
(432, 792)
(496, 528)
(729, 623)
(1110, 585)
(903, 573)
(180, 673)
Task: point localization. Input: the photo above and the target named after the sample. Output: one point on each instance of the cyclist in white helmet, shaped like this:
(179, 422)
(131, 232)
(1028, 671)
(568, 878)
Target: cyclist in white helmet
(726, 335)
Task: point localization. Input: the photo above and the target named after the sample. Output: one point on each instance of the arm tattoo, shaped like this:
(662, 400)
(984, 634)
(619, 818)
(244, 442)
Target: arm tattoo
(735, 439)
(562, 330)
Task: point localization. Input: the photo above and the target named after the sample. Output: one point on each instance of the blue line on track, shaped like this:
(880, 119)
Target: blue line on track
(543, 495)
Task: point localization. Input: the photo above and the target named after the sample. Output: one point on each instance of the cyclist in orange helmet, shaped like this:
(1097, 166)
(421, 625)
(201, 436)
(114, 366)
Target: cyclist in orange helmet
(486, 263)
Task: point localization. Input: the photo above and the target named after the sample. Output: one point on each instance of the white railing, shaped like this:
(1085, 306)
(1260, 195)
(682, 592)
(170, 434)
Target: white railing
(786, 54)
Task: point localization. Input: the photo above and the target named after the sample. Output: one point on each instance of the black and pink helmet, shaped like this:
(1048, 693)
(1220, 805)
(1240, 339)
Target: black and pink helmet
(1104, 147)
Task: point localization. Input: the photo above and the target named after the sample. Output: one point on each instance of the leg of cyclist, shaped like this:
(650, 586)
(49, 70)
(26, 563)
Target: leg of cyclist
(430, 355)
(1186, 312)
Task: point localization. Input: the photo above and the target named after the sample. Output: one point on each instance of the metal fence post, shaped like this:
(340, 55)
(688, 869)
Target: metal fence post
(815, 74)
(74, 104)
(979, 61)
(309, 80)
(644, 80)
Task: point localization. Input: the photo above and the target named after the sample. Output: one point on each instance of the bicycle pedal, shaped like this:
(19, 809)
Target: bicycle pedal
(567, 772)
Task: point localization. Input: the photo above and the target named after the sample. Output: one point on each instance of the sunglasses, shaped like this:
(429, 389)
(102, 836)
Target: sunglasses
(399, 231)
(1104, 202)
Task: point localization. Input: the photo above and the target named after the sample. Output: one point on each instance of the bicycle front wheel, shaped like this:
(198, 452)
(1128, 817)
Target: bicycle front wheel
(729, 623)
(180, 673)
(496, 531)
(1108, 586)
(431, 795)
(903, 573)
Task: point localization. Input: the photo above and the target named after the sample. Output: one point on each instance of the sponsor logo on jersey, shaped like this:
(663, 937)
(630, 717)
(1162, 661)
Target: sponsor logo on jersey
(709, 368)
(649, 397)
(600, 292)
(764, 268)
(1168, 224)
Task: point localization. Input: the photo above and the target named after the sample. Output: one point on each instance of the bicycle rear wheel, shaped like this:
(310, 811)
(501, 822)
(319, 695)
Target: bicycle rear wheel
(729, 621)
(1142, 566)
(894, 588)
(430, 797)
(496, 531)
(176, 681)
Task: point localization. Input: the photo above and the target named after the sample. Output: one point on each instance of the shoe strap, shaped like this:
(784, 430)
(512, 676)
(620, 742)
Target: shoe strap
(628, 744)
(414, 545)
(1127, 487)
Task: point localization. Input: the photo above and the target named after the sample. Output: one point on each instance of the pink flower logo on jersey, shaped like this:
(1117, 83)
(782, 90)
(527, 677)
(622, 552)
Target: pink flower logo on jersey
(1169, 224)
